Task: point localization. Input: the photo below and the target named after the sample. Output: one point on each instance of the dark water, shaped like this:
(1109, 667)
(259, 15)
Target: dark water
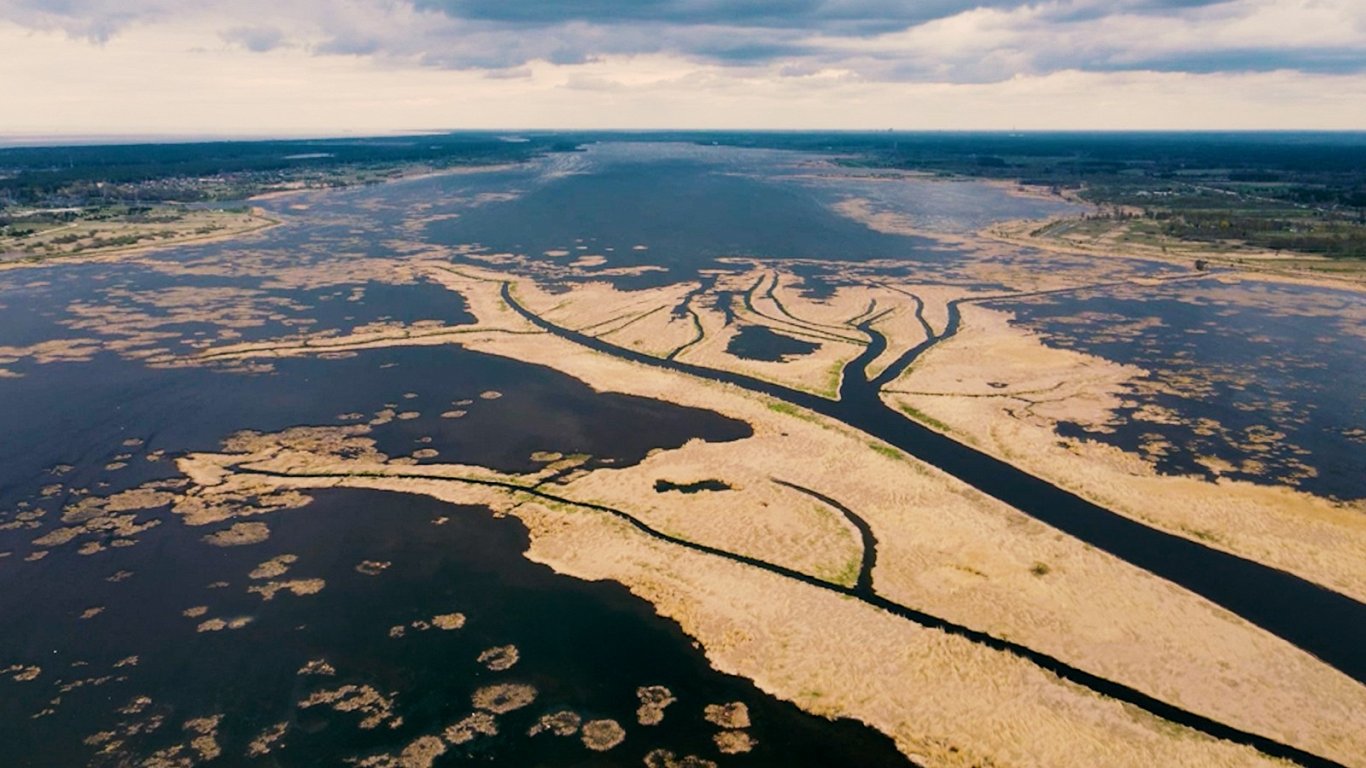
(1267, 379)
(1328, 625)
(122, 300)
(953, 207)
(755, 342)
(665, 486)
(687, 207)
(78, 414)
(584, 646)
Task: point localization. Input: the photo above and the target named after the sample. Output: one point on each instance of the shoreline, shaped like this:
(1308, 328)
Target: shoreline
(1020, 232)
(265, 222)
(424, 173)
(1118, 500)
(901, 572)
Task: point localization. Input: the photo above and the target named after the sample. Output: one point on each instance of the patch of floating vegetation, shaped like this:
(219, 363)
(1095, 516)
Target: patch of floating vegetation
(112, 517)
(205, 742)
(449, 621)
(218, 625)
(268, 740)
(503, 698)
(664, 486)
(444, 621)
(135, 705)
(653, 701)
(23, 673)
(198, 510)
(602, 735)
(202, 747)
(90, 613)
(372, 567)
(195, 612)
(299, 587)
(474, 725)
(491, 394)
(239, 535)
(422, 752)
(500, 658)
(276, 566)
(376, 708)
(562, 723)
(734, 742)
(663, 758)
(318, 667)
(732, 715)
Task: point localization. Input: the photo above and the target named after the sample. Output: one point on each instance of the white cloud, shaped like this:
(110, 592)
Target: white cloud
(991, 44)
(372, 65)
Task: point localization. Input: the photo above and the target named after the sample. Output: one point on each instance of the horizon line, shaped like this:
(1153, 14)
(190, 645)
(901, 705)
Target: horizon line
(18, 140)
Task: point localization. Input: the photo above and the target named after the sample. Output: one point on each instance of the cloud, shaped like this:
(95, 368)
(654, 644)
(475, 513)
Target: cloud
(985, 44)
(1325, 61)
(94, 20)
(866, 16)
(952, 41)
(145, 80)
(255, 39)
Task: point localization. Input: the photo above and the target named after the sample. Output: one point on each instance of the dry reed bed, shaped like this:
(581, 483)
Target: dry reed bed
(944, 549)
(1314, 538)
(946, 700)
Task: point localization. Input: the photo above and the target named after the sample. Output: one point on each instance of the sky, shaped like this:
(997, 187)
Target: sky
(339, 67)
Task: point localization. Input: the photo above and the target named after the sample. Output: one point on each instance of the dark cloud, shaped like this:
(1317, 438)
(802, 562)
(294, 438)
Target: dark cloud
(1330, 61)
(257, 39)
(830, 16)
(733, 12)
(95, 20)
(520, 73)
(794, 37)
(350, 45)
(740, 52)
(1080, 12)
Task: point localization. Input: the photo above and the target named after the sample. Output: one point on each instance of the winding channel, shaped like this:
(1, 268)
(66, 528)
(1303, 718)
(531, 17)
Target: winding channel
(1326, 624)
(863, 585)
(863, 592)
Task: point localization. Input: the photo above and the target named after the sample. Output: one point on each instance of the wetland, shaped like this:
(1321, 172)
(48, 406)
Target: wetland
(658, 453)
